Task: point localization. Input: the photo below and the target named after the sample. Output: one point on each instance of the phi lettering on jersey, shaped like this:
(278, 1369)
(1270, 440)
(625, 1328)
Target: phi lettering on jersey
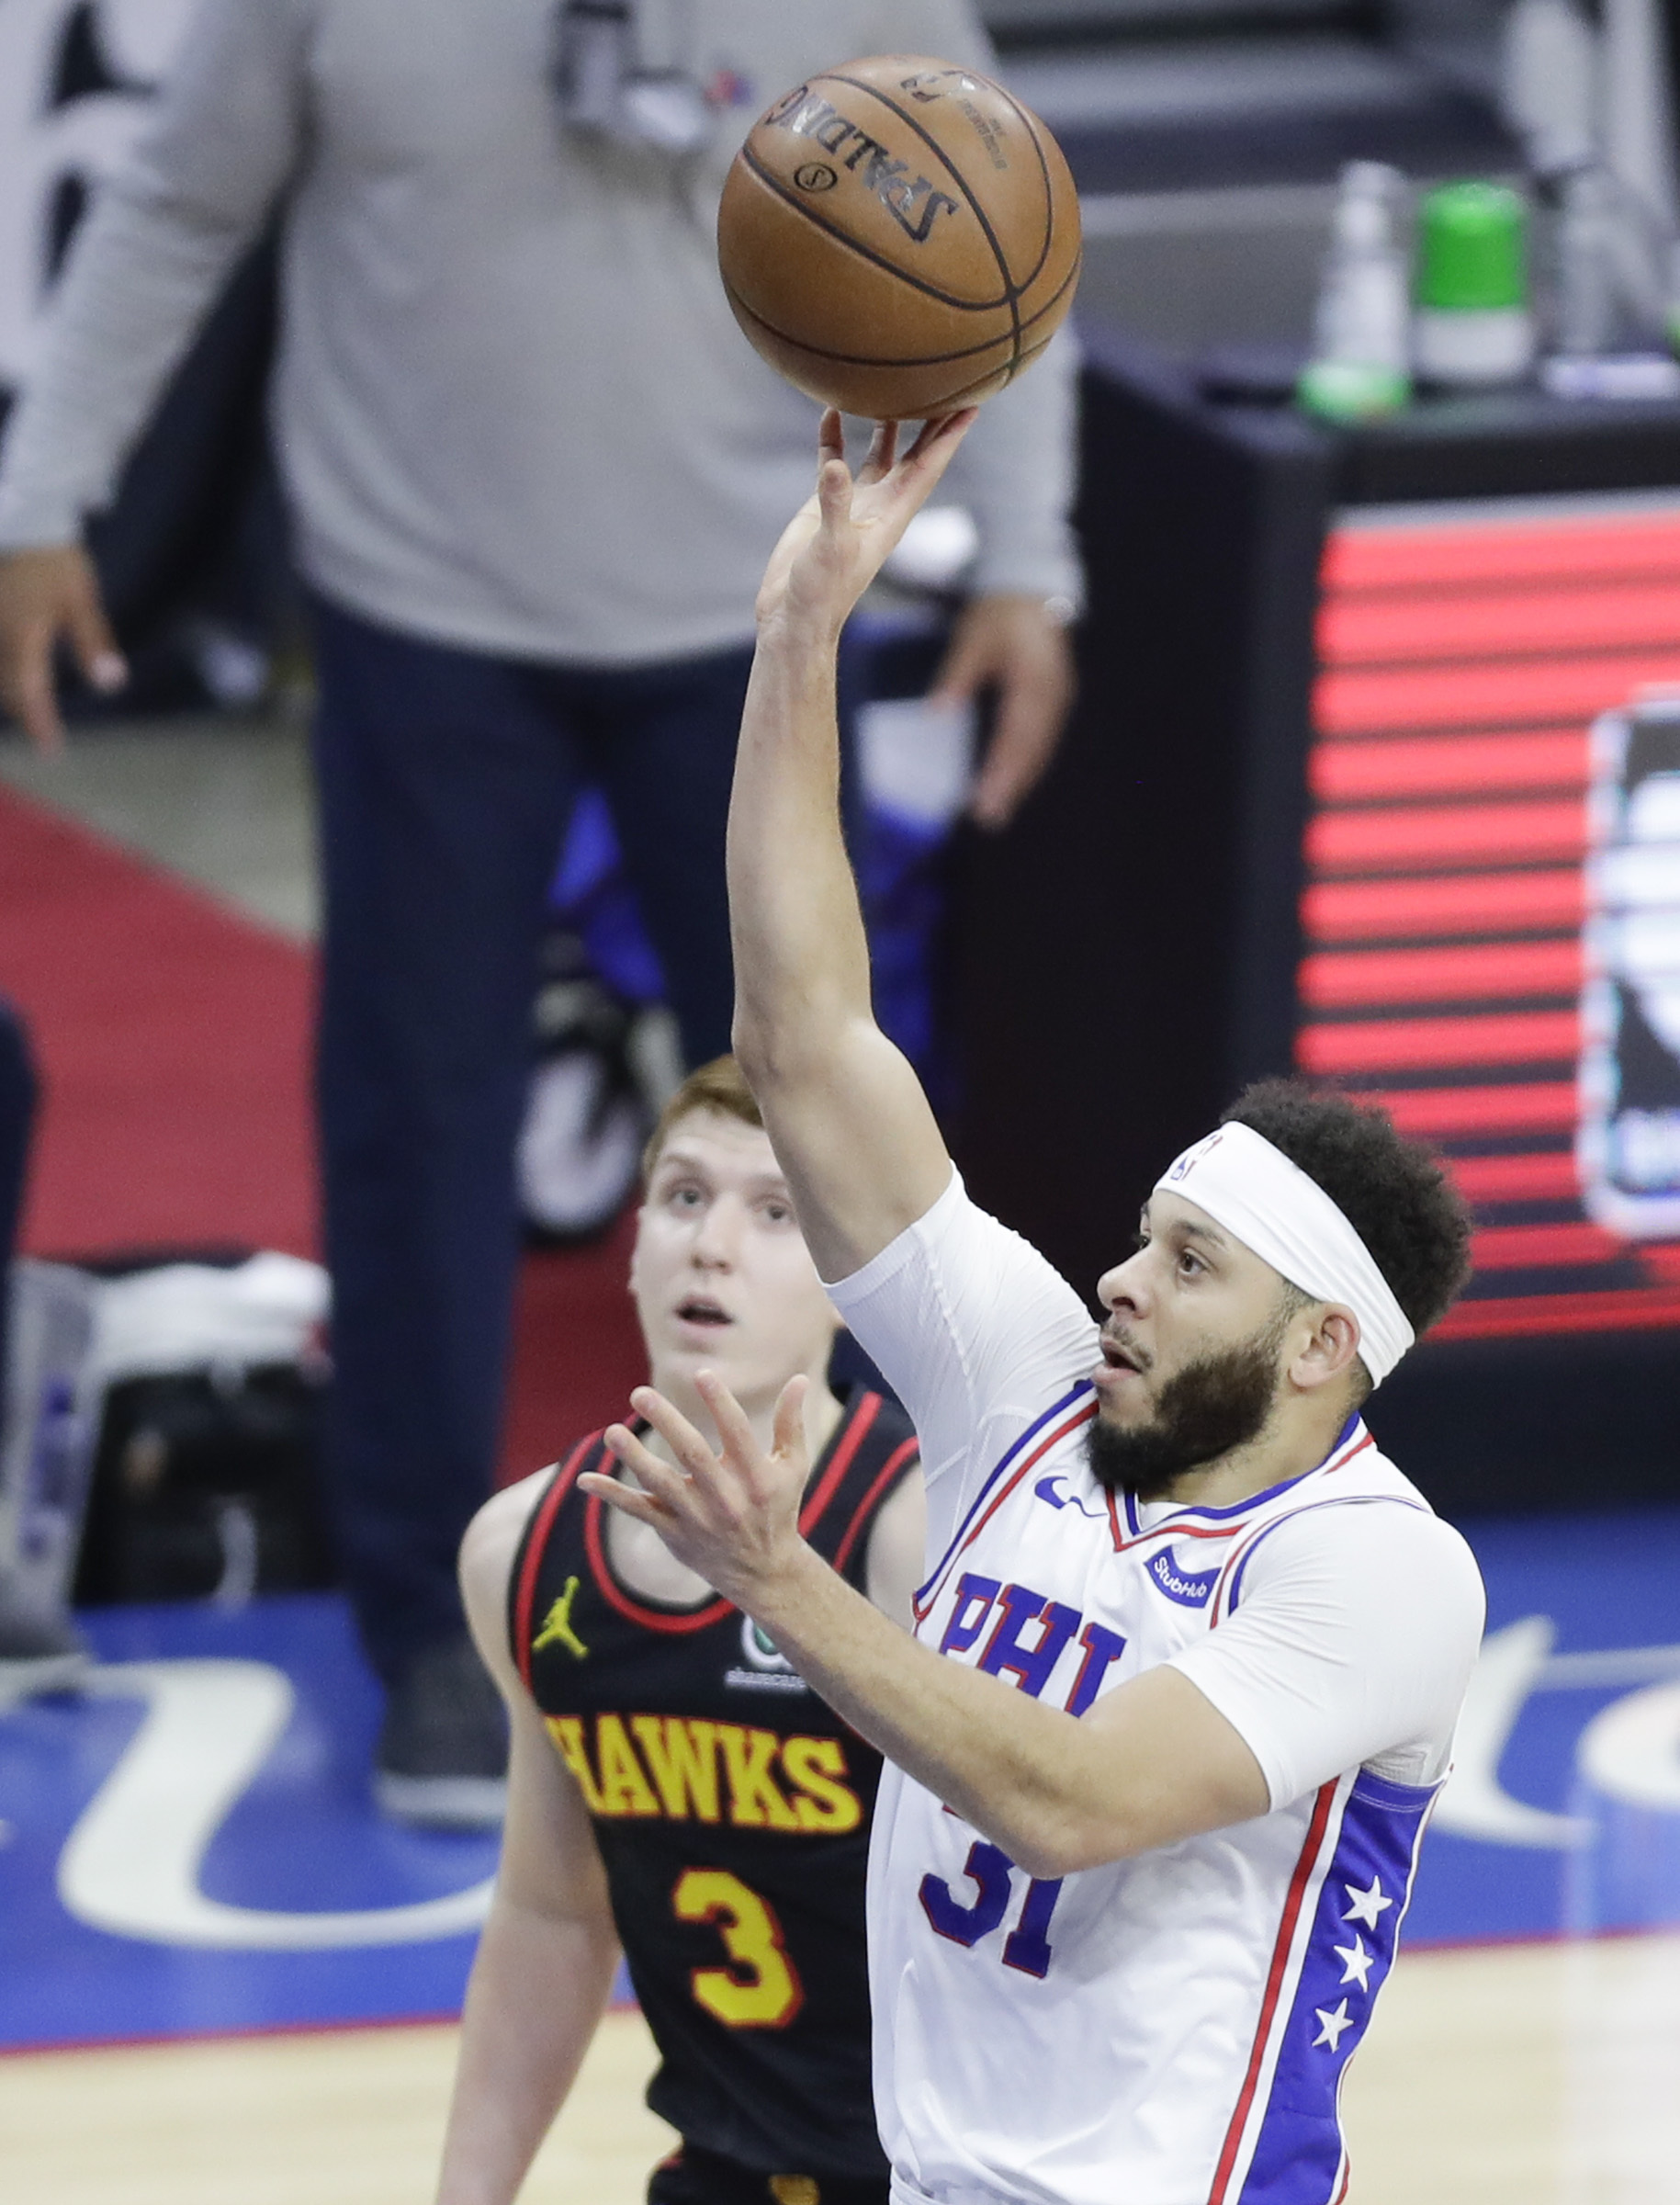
(1028, 1633)
(691, 1770)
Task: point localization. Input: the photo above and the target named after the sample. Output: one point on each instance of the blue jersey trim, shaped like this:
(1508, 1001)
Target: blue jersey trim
(1298, 2153)
(1336, 1500)
(1255, 1500)
(1031, 1433)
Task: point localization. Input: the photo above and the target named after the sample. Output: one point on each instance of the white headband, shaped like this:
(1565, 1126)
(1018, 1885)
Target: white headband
(1274, 1208)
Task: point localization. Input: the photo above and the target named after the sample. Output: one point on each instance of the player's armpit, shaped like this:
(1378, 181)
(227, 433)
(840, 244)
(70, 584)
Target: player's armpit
(896, 1561)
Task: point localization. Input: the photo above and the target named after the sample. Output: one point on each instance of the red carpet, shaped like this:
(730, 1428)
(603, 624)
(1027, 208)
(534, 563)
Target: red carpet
(172, 1036)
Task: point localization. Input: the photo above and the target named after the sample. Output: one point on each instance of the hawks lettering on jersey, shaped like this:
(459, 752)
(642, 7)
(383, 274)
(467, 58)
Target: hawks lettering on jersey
(694, 1770)
(731, 1807)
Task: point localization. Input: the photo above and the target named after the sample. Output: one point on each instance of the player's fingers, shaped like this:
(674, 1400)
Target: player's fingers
(665, 1480)
(644, 1506)
(936, 441)
(882, 451)
(830, 437)
(734, 1429)
(789, 1429)
(691, 1448)
(834, 493)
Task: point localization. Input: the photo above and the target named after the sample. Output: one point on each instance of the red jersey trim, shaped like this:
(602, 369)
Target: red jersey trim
(850, 1440)
(677, 1621)
(904, 1453)
(536, 1537)
(672, 1620)
(1080, 1415)
(1174, 1529)
(1310, 1850)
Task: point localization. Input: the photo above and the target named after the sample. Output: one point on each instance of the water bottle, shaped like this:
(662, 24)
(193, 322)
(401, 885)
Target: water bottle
(1359, 365)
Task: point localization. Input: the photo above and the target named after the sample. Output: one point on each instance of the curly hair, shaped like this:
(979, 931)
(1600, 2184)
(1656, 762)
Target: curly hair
(1394, 1191)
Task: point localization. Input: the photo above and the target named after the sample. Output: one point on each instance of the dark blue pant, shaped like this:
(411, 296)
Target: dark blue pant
(445, 781)
(17, 1097)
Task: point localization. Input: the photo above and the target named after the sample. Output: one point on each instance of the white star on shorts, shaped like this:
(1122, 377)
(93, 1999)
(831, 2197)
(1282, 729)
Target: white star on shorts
(1334, 2025)
(1359, 1961)
(1365, 1905)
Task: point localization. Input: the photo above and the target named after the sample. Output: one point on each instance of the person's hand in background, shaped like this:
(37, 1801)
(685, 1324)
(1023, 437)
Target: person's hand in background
(47, 593)
(1018, 647)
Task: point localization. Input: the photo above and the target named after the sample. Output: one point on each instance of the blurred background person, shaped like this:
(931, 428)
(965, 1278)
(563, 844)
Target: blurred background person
(504, 361)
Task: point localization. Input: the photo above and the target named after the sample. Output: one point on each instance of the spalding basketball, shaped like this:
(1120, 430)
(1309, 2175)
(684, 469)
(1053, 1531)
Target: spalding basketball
(899, 237)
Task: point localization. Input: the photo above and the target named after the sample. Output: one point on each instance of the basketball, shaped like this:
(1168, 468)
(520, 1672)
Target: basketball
(899, 237)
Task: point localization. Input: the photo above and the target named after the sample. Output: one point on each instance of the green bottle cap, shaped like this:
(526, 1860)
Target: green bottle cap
(1471, 247)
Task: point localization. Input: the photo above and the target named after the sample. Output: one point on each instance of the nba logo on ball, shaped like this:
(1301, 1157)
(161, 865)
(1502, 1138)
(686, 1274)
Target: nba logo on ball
(898, 237)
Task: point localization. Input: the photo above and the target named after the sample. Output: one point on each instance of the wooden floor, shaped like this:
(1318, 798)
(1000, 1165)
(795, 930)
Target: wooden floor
(1533, 2076)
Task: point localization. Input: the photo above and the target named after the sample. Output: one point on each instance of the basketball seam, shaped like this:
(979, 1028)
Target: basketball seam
(1010, 294)
(1030, 124)
(864, 359)
(916, 282)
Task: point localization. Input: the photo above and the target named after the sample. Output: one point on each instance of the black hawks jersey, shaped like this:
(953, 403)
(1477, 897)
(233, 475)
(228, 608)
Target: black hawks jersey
(731, 1806)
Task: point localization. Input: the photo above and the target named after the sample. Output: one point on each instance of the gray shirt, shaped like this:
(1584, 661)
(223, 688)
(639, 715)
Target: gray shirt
(511, 407)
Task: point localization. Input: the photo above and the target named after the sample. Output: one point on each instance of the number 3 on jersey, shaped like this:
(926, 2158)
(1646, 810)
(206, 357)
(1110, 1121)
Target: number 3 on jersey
(760, 1988)
(1027, 1946)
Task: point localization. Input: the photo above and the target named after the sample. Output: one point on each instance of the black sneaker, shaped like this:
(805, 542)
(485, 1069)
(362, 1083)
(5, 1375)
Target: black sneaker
(443, 1753)
(39, 1652)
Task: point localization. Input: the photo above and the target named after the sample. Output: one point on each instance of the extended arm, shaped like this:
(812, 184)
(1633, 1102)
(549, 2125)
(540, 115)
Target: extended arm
(850, 1123)
(544, 1963)
(1153, 1761)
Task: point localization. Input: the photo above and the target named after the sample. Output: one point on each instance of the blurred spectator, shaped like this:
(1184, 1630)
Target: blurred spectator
(533, 473)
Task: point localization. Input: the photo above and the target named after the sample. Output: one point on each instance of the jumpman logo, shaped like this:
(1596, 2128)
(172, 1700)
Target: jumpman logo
(557, 1625)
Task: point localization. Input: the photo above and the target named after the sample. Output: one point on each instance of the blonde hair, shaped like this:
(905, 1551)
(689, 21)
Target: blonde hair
(719, 1086)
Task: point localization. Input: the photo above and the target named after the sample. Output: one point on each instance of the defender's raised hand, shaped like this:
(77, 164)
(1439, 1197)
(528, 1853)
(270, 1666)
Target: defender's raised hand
(834, 546)
(731, 1512)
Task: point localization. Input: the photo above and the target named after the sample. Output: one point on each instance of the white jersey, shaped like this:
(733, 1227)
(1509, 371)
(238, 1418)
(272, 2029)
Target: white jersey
(1170, 2030)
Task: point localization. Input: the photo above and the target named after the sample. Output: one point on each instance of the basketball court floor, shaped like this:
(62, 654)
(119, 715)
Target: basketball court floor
(223, 1978)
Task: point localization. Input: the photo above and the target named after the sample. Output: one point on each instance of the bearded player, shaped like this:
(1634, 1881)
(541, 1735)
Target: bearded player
(674, 1787)
(1190, 1651)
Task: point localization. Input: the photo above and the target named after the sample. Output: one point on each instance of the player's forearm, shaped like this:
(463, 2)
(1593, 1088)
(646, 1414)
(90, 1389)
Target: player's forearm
(801, 958)
(1032, 1779)
(539, 1986)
